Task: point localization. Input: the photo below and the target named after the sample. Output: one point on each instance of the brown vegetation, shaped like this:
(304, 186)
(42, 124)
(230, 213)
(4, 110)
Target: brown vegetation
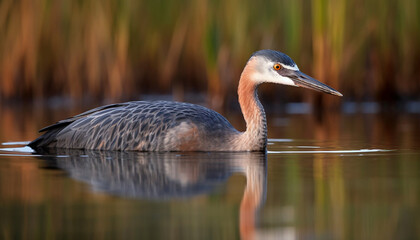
(117, 49)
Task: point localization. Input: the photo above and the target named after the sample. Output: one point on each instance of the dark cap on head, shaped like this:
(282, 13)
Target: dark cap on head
(275, 56)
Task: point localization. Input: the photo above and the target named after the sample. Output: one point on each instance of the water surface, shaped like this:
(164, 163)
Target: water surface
(343, 176)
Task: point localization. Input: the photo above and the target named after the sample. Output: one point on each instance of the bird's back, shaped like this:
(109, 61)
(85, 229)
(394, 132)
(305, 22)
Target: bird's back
(141, 126)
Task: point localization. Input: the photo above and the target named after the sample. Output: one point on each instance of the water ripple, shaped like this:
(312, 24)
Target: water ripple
(333, 151)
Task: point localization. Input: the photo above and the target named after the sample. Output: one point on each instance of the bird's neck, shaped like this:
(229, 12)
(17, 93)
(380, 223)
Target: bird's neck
(255, 136)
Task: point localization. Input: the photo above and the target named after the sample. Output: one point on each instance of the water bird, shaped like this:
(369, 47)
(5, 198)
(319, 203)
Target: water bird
(176, 126)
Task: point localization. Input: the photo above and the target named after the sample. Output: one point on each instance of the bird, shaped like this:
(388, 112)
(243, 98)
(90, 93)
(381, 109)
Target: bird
(176, 126)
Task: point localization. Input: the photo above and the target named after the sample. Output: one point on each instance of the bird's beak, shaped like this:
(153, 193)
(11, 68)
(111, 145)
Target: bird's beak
(303, 80)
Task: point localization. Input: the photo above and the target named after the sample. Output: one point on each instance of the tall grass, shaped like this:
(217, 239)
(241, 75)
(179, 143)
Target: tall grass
(119, 49)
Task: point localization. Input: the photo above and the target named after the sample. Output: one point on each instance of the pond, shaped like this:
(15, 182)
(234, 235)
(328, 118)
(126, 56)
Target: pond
(339, 176)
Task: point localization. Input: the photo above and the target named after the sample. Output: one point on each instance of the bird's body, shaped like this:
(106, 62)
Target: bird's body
(175, 126)
(144, 126)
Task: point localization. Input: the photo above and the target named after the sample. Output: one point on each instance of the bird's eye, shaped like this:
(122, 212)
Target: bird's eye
(277, 66)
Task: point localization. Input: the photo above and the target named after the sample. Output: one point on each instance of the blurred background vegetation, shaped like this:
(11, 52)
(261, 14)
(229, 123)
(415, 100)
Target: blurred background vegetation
(117, 50)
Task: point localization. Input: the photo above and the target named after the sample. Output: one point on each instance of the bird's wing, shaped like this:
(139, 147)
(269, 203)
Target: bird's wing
(51, 131)
(67, 121)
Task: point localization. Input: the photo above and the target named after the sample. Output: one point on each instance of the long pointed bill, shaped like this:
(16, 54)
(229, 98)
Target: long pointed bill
(303, 80)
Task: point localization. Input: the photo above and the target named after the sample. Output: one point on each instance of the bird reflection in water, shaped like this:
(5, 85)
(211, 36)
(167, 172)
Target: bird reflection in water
(153, 175)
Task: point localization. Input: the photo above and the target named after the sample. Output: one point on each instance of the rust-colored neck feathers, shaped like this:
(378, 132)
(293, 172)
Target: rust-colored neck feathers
(255, 136)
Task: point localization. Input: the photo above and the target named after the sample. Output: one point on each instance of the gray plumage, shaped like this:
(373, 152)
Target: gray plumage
(139, 126)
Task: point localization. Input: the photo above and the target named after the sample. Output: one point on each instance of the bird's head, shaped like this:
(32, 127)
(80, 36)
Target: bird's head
(276, 67)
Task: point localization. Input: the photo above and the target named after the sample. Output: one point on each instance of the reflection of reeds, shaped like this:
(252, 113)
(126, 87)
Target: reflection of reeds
(116, 49)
